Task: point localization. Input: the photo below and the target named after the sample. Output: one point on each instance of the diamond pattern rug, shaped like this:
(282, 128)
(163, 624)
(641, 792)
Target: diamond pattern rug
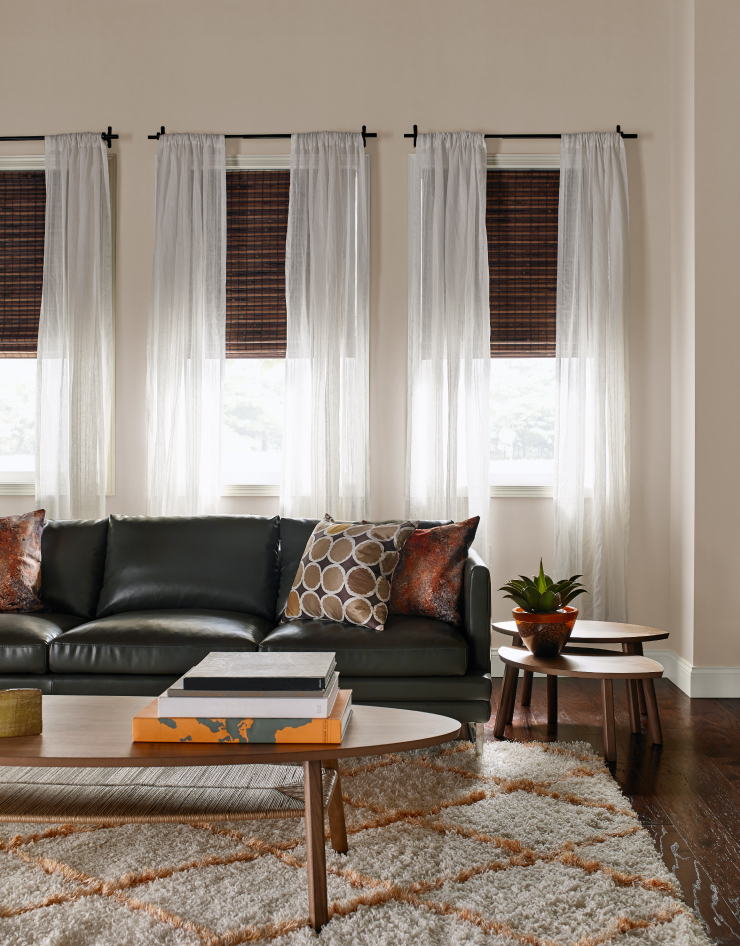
(533, 844)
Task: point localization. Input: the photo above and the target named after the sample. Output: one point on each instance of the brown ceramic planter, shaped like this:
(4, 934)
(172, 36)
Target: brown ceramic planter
(545, 635)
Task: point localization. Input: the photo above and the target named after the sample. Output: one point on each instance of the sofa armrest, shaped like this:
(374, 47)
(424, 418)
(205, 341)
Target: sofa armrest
(477, 618)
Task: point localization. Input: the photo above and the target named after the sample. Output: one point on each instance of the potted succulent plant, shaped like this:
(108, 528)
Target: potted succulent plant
(543, 618)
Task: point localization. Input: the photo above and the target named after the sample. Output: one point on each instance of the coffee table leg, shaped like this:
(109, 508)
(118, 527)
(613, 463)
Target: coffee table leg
(337, 827)
(552, 700)
(510, 675)
(318, 908)
(610, 739)
(526, 697)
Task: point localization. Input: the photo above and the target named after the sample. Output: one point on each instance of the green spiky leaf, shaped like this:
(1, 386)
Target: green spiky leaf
(572, 594)
(519, 601)
(547, 602)
(542, 584)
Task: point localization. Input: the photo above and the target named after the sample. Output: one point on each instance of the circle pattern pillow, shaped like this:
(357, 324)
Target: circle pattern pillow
(345, 572)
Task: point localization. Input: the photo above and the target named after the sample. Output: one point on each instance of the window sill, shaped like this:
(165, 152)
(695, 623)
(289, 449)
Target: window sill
(521, 492)
(241, 489)
(17, 489)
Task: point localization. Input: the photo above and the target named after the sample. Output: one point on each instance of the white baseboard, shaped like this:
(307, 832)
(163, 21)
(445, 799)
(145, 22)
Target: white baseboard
(696, 682)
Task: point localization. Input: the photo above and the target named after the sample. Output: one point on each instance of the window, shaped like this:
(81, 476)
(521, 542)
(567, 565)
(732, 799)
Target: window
(522, 229)
(22, 207)
(257, 191)
(22, 219)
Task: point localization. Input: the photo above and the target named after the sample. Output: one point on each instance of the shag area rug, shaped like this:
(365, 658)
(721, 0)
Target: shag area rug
(532, 844)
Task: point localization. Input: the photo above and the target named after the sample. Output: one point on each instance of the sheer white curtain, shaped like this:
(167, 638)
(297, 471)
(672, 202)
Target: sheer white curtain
(74, 360)
(591, 494)
(325, 445)
(187, 326)
(447, 453)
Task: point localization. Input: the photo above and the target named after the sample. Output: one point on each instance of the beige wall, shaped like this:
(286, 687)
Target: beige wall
(717, 91)
(299, 65)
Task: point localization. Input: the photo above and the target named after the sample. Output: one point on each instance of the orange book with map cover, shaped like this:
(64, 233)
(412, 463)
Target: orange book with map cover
(148, 727)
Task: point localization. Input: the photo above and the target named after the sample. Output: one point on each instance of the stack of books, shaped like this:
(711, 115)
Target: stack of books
(258, 698)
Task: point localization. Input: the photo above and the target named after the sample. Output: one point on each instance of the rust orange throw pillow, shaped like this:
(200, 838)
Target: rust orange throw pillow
(20, 562)
(429, 577)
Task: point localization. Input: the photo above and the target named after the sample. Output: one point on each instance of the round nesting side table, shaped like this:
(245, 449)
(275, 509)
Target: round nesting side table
(630, 637)
(584, 663)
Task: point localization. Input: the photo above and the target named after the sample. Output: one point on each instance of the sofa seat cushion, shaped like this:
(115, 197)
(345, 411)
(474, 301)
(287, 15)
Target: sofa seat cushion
(25, 638)
(409, 647)
(164, 642)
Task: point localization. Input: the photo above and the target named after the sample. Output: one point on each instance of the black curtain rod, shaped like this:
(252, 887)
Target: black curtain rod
(414, 134)
(107, 136)
(365, 135)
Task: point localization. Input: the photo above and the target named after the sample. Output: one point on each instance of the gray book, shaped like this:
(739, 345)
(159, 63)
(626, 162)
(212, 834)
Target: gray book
(261, 672)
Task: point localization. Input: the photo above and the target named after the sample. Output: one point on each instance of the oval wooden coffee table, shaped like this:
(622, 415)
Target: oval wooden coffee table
(584, 663)
(630, 637)
(95, 731)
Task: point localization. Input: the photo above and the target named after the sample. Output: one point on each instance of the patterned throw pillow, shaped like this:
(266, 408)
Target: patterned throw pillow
(429, 578)
(20, 562)
(346, 570)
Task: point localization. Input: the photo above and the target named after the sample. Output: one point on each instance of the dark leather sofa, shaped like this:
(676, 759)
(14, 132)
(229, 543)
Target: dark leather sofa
(135, 602)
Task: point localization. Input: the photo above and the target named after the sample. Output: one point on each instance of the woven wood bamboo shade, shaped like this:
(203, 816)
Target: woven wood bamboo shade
(522, 227)
(257, 223)
(22, 211)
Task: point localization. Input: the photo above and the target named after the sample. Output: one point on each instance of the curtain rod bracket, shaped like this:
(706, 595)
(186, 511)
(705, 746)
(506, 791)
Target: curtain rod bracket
(412, 135)
(108, 136)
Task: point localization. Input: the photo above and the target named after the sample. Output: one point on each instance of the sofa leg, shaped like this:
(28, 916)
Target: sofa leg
(477, 735)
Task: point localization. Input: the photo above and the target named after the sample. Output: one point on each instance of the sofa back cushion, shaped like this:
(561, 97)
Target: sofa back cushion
(294, 534)
(72, 565)
(222, 563)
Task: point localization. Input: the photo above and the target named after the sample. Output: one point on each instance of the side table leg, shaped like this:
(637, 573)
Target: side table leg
(527, 676)
(510, 675)
(512, 700)
(318, 908)
(633, 695)
(610, 739)
(335, 808)
(526, 698)
(637, 649)
(552, 700)
(652, 713)
(633, 705)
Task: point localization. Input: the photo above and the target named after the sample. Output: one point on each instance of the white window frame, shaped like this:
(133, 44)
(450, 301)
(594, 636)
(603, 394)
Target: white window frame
(523, 162)
(264, 162)
(25, 482)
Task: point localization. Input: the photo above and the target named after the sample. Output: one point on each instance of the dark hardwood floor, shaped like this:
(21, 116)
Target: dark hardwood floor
(686, 793)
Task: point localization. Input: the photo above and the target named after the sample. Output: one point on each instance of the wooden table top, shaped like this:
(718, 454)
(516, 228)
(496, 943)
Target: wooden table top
(617, 667)
(597, 632)
(96, 731)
